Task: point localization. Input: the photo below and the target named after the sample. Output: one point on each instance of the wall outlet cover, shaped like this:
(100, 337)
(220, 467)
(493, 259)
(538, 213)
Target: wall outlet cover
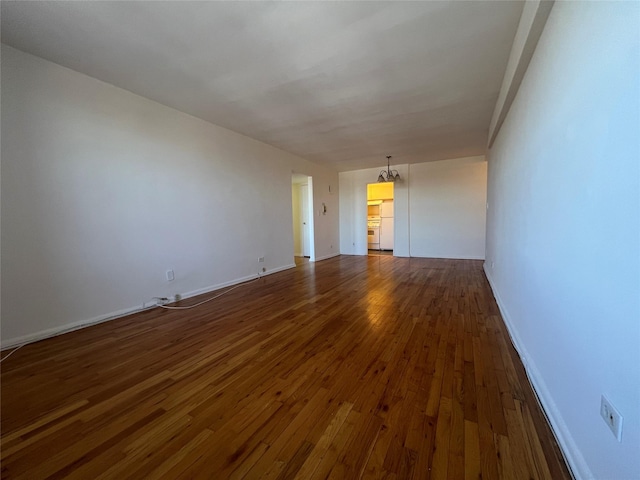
(611, 417)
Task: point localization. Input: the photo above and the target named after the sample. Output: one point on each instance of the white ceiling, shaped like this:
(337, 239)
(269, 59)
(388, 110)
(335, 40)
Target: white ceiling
(339, 83)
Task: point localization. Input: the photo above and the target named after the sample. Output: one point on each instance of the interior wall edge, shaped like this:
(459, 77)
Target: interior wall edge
(450, 257)
(326, 257)
(70, 327)
(532, 22)
(572, 455)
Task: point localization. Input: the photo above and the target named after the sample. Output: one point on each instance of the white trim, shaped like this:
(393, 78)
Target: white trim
(450, 257)
(325, 257)
(572, 455)
(280, 269)
(69, 327)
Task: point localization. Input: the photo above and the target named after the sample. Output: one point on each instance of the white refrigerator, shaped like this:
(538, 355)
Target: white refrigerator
(386, 225)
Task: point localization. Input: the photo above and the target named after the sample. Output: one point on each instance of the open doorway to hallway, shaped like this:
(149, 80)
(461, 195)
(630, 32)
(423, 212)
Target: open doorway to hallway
(380, 226)
(302, 210)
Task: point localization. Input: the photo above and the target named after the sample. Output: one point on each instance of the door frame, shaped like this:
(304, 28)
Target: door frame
(297, 181)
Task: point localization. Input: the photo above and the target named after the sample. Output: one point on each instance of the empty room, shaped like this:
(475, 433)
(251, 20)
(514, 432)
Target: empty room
(320, 240)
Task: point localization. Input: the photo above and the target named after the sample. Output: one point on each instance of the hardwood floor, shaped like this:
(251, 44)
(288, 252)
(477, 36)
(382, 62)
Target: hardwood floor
(353, 367)
(301, 261)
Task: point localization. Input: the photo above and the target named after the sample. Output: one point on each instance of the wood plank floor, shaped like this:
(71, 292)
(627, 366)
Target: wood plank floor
(353, 367)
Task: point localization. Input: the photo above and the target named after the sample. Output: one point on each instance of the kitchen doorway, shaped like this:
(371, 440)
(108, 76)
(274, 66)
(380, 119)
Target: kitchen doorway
(302, 210)
(380, 218)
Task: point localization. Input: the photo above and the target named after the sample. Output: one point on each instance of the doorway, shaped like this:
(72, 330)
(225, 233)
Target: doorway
(380, 218)
(302, 210)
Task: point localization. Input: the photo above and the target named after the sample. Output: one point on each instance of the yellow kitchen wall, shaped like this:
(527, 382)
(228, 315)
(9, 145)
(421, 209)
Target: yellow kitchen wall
(380, 191)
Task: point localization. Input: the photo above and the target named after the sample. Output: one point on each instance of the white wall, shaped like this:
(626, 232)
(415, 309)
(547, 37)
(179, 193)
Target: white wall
(563, 229)
(103, 191)
(447, 204)
(439, 209)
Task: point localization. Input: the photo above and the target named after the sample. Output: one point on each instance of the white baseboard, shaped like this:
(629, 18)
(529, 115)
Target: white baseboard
(69, 327)
(572, 455)
(449, 257)
(280, 269)
(325, 257)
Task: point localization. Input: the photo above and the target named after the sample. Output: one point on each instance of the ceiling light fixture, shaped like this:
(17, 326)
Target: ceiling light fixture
(389, 175)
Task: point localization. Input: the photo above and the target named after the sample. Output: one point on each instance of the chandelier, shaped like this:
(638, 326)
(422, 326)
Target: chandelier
(389, 175)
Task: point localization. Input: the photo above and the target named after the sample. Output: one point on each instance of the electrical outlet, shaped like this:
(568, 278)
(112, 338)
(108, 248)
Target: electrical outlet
(170, 276)
(612, 417)
(260, 259)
